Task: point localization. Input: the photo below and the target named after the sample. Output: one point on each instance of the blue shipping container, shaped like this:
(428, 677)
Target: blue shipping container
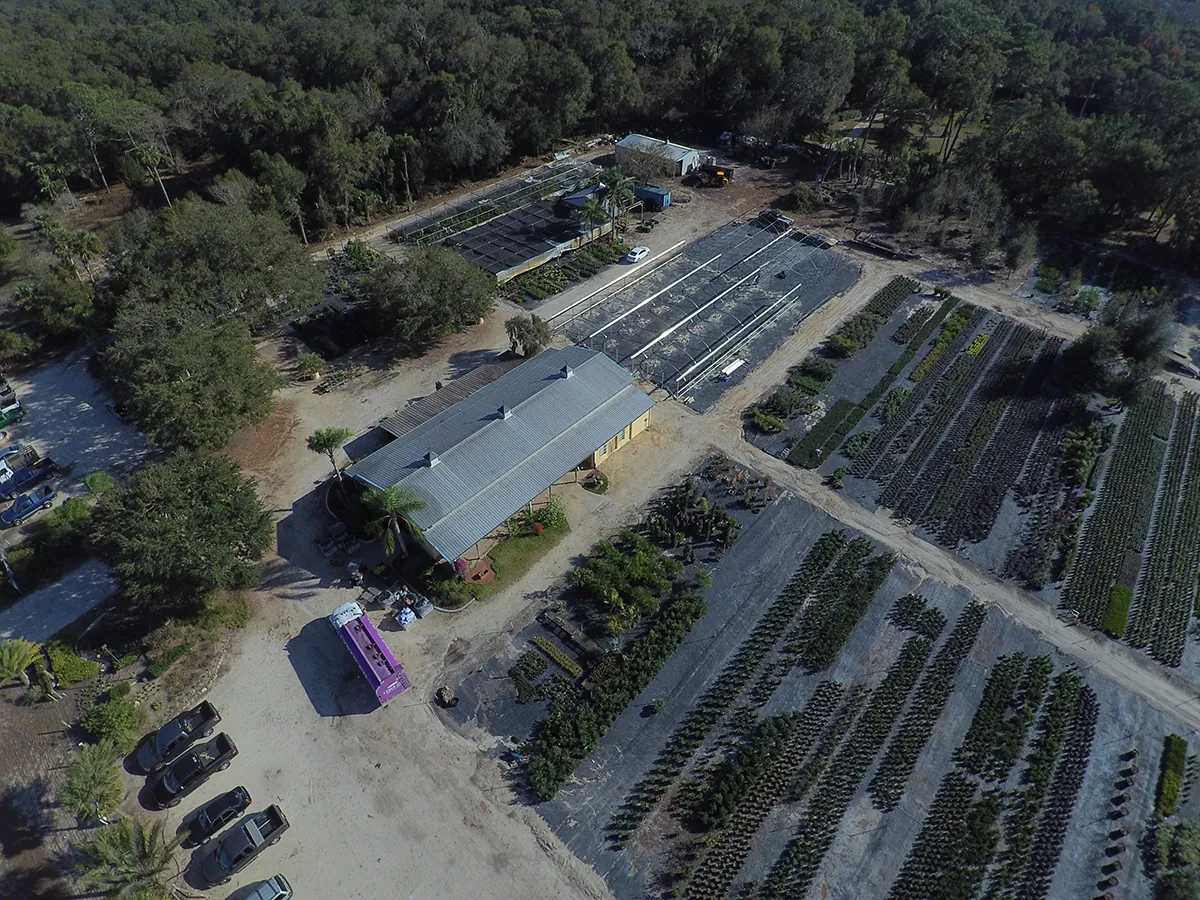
(653, 197)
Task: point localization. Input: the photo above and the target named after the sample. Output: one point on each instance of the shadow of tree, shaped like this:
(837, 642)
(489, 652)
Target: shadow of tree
(24, 819)
(463, 362)
(41, 882)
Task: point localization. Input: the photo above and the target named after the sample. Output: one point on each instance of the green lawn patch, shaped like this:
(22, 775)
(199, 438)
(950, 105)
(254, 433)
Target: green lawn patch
(1116, 616)
(511, 558)
(514, 556)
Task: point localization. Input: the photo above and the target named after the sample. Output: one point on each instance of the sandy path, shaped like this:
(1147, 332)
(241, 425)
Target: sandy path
(1133, 671)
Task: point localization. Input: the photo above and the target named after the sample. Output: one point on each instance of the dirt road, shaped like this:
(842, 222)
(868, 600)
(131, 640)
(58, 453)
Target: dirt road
(1133, 671)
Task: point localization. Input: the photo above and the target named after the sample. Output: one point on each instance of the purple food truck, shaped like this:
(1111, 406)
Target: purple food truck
(369, 651)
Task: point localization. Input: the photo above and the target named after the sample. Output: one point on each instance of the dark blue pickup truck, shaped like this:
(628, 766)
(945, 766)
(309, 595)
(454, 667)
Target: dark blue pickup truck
(27, 476)
(26, 505)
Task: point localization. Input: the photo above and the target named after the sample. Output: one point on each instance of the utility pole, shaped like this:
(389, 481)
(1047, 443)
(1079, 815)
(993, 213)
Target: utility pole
(407, 189)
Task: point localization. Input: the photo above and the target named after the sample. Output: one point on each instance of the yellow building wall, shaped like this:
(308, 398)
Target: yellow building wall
(616, 442)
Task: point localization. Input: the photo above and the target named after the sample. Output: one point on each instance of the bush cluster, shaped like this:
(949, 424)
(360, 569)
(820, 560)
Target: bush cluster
(68, 667)
(567, 739)
(117, 720)
(795, 396)
(626, 578)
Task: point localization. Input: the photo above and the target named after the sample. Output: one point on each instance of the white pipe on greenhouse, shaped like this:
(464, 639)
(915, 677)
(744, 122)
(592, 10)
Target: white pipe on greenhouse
(750, 323)
(625, 274)
(665, 334)
(653, 296)
(668, 332)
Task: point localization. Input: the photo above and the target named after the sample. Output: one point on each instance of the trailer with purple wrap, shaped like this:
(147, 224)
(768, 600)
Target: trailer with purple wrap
(366, 645)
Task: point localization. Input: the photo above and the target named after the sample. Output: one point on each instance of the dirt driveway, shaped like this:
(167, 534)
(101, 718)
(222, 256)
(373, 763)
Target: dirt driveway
(387, 802)
(67, 421)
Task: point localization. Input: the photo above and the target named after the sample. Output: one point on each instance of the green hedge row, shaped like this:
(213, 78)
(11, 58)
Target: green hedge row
(1170, 774)
(807, 453)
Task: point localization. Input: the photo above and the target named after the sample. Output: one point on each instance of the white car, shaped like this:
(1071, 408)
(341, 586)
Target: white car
(275, 888)
(637, 254)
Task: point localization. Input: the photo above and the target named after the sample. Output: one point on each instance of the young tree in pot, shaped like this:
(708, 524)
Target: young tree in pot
(329, 441)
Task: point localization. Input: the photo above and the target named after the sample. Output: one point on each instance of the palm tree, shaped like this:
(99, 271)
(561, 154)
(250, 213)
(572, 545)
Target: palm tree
(592, 211)
(620, 197)
(329, 441)
(87, 248)
(391, 507)
(17, 655)
(130, 859)
(93, 786)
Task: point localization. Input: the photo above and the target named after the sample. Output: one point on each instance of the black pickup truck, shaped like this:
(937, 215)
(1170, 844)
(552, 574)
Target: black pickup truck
(241, 845)
(192, 769)
(175, 736)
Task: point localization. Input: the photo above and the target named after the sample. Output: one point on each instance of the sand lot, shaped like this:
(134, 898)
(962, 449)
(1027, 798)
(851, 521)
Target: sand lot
(421, 811)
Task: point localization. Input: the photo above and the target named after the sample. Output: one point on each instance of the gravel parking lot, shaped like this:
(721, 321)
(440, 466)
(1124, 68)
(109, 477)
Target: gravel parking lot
(422, 810)
(67, 421)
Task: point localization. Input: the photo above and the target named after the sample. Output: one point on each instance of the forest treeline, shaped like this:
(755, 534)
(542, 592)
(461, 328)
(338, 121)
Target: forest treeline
(1080, 116)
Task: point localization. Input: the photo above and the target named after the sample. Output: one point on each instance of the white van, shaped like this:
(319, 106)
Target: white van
(276, 888)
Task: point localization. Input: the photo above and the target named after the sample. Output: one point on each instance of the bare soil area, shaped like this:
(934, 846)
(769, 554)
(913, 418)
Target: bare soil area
(32, 831)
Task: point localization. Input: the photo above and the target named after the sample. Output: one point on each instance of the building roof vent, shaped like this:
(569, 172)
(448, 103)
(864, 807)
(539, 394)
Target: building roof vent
(504, 412)
(566, 371)
(431, 459)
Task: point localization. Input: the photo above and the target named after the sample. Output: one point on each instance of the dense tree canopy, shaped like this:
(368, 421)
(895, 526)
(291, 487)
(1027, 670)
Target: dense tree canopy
(1118, 355)
(183, 528)
(1077, 114)
(186, 381)
(224, 261)
(433, 293)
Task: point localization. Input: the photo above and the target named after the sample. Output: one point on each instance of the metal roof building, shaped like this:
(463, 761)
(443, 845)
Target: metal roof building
(476, 463)
(677, 159)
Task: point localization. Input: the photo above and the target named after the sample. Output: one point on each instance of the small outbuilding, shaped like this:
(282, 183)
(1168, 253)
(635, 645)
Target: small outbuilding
(653, 198)
(635, 150)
